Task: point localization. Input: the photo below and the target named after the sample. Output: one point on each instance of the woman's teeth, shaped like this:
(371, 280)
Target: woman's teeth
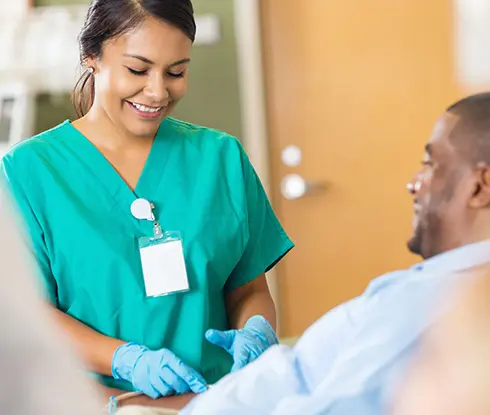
(144, 108)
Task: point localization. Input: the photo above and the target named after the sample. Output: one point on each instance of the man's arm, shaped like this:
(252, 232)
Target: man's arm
(281, 371)
(169, 402)
(319, 346)
(254, 389)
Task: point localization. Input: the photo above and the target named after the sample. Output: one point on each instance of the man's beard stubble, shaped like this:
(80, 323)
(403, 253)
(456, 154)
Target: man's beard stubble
(426, 237)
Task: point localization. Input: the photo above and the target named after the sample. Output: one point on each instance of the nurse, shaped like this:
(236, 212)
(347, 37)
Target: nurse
(152, 235)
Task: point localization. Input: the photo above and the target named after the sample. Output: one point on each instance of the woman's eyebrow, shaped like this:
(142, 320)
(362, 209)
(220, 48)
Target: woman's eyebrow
(150, 62)
(141, 58)
(180, 62)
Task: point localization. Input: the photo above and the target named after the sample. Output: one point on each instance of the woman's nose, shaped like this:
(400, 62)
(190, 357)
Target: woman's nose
(157, 90)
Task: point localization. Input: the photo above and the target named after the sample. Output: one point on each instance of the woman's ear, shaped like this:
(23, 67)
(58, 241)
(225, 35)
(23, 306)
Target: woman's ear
(90, 64)
(480, 196)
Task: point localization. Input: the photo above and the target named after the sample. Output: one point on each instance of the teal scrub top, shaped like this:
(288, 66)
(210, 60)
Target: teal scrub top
(76, 209)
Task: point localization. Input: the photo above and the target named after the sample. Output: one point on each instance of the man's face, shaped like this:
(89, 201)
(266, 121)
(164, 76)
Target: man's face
(439, 194)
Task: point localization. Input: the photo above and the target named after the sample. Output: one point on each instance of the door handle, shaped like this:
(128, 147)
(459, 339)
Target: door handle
(293, 186)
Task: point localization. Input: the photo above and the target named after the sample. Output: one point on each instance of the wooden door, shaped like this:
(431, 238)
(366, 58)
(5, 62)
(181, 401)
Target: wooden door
(357, 85)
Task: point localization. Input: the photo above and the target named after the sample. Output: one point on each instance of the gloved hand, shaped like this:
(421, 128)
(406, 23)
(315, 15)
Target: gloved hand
(155, 373)
(246, 344)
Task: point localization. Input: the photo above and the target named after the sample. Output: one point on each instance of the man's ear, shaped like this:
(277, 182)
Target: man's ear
(480, 196)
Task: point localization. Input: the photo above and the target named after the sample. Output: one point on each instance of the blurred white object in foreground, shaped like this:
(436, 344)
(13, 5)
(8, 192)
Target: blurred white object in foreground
(450, 373)
(39, 375)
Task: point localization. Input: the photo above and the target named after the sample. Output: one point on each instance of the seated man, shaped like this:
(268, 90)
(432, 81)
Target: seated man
(346, 363)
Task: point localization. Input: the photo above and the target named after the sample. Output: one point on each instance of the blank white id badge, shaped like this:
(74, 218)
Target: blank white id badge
(163, 263)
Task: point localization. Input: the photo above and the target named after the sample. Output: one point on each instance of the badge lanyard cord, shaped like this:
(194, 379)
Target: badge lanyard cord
(114, 401)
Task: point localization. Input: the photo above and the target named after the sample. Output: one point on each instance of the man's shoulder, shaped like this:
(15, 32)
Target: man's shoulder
(349, 313)
(385, 281)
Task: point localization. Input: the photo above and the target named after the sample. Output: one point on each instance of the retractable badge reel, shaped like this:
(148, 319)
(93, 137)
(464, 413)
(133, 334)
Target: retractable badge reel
(162, 255)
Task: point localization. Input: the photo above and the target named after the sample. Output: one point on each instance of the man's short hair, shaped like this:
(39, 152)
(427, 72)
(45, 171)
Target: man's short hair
(471, 135)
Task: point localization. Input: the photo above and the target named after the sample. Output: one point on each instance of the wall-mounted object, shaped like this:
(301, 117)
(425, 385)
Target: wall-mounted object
(40, 47)
(472, 40)
(13, 9)
(207, 29)
(16, 115)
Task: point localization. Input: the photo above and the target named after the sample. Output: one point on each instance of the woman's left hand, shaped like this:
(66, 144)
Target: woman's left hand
(245, 344)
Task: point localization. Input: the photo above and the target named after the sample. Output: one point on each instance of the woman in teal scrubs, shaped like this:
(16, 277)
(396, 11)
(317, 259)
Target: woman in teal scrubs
(75, 186)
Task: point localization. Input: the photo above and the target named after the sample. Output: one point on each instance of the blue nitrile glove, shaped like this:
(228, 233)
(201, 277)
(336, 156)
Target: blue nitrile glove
(155, 373)
(246, 344)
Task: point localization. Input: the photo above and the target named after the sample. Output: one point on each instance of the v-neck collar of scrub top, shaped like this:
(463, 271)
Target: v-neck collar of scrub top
(106, 174)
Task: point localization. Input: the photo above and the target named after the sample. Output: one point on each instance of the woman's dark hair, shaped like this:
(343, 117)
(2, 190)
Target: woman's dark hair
(108, 19)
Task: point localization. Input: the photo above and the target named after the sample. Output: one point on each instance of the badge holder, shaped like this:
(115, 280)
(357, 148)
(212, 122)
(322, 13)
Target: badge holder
(162, 256)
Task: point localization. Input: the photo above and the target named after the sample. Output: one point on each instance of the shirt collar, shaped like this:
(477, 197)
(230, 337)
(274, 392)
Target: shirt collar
(458, 259)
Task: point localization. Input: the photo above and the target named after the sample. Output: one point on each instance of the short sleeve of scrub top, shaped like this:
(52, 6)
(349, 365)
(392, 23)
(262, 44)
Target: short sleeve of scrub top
(263, 232)
(76, 210)
(30, 229)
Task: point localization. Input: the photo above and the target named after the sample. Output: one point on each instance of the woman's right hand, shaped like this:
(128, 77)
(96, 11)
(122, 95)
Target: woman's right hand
(155, 373)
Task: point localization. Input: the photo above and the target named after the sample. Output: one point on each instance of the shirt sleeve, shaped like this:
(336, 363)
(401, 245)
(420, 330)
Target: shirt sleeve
(267, 242)
(15, 195)
(281, 372)
(324, 340)
(255, 389)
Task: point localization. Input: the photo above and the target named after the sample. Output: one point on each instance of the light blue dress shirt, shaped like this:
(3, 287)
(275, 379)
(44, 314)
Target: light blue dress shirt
(348, 361)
